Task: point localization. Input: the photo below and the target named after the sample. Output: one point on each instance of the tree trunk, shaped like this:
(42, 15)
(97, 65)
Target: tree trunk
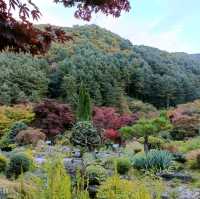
(167, 101)
(146, 144)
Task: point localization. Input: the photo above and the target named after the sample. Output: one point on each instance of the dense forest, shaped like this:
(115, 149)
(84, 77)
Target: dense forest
(112, 68)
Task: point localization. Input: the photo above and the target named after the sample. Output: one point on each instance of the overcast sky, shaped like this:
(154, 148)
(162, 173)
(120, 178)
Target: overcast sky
(171, 25)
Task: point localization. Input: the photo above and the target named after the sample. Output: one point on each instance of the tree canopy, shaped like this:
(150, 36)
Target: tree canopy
(112, 67)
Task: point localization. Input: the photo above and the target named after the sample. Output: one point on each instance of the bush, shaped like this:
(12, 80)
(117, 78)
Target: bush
(140, 106)
(10, 115)
(127, 132)
(30, 136)
(185, 119)
(195, 162)
(134, 147)
(3, 163)
(53, 117)
(123, 165)
(146, 127)
(189, 145)
(154, 142)
(178, 134)
(96, 174)
(18, 163)
(9, 137)
(22, 78)
(155, 160)
(117, 188)
(111, 134)
(108, 118)
(58, 182)
(85, 135)
(166, 135)
(171, 147)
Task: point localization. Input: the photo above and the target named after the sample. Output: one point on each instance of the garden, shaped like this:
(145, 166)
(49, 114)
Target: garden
(51, 150)
(85, 114)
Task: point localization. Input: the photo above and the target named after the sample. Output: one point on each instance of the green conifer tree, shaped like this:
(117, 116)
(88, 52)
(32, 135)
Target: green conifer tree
(84, 109)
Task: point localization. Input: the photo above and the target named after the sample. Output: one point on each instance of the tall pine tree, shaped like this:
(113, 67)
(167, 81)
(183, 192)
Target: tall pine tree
(84, 110)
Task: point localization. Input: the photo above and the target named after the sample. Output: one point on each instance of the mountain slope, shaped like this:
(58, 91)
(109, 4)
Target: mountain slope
(111, 67)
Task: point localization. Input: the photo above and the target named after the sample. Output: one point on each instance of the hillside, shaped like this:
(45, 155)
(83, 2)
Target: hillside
(112, 68)
(116, 66)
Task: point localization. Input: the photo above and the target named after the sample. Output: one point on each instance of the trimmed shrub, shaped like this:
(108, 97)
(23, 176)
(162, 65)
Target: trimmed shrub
(154, 142)
(96, 174)
(3, 163)
(53, 117)
(85, 135)
(155, 160)
(9, 137)
(18, 163)
(123, 165)
(30, 136)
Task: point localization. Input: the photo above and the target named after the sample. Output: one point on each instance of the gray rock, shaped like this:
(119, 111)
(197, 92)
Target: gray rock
(40, 159)
(92, 189)
(185, 193)
(76, 154)
(165, 196)
(72, 165)
(66, 149)
(170, 176)
(105, 155)
(182, 192)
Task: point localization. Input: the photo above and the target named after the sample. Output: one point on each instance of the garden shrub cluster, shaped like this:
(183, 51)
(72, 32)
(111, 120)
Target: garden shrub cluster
(9, 137)
(123, 165)
(10, 115)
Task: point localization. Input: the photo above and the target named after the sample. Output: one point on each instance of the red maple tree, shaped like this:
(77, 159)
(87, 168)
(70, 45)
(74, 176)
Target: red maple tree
(109, 118)
(24, 36)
